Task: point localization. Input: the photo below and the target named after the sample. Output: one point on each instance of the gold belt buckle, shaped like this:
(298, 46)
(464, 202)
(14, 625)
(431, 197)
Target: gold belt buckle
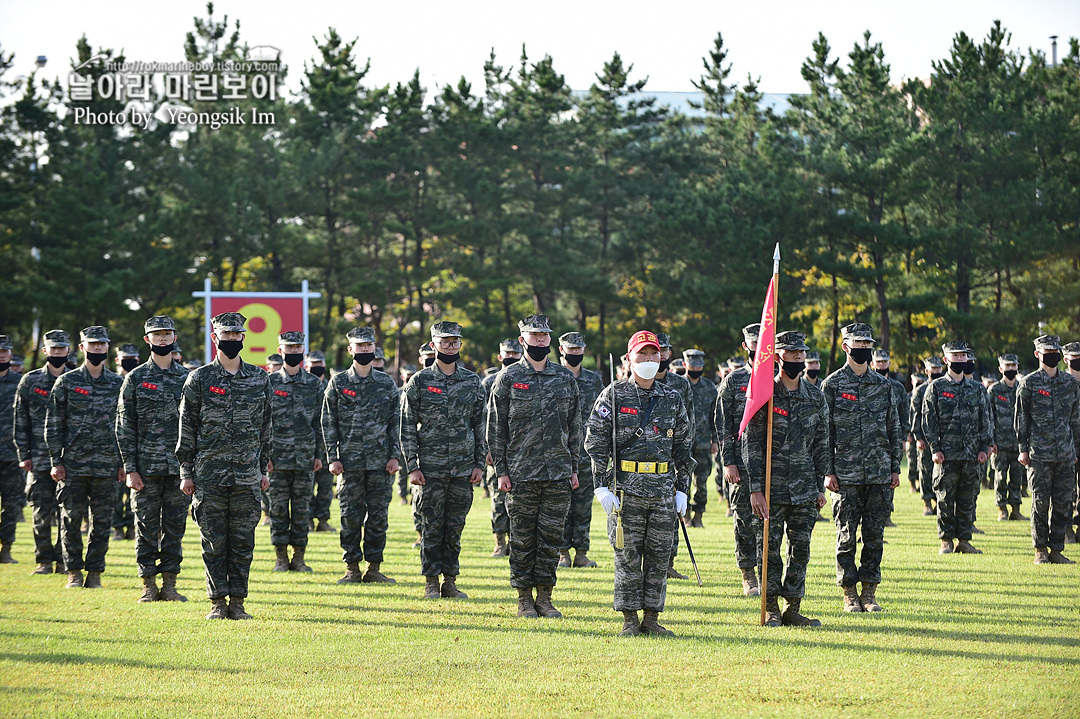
(626, 466)
(647, 467)
(662, 468)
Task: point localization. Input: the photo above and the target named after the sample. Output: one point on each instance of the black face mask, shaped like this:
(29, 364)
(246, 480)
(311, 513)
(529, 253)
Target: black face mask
(969, 368)
(695, 373)
(428, 361)
(792, 369)
(1075, 363)
(162, 350)
(750, 354)
(1010, 374)
(507, 361)
(317, 371)
(935, 375)
(230, 348)
(664, 364)
(56, 361)
(129, 363)
(1051, 359)
(363, 358)
(96, 358)
(813, 373)
(448, 359)
(958, 367)
(883, 372)
(4, 366)
(860, 355)
(293, 358)
(573, 360)
(537, 353)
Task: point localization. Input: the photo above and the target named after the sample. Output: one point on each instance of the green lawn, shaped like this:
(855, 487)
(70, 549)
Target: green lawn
(990, 635)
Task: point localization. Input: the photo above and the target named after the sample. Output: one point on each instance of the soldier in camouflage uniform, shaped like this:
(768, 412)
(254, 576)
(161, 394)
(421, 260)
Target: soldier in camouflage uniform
(296, 399)
(426, 355)
(79, 432)
(177, 354)
(865, 451)
(956, 425)
(319, 509)
(813, 369)
(653, 464)
(579, 518)
(379, 363)
(705, 445)
(934, 370)
(18, 362)
(360, 430)
(274, 362)
(1047, 425)
(224, 451)
(682, 386)
(127, 359)
(426, 358)
(12, 478)
(912, 447)
(800, 455)
(534, 431)
(727, 415)
(900, 398)
(442, 442)
(405, 374)
(147, 426)
(31, 402)
(1071, 352)
(1006, 452)
(509, 353)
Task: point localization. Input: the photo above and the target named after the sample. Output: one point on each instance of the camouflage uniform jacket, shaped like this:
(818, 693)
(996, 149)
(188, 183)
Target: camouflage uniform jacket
(915, 426)
(442, 423)
(1002, 412)
(728, 414)
(704, 403)
(1048, 416)
(31, 401)
(865, 439)
(487, 384)
(534, 428)
(295, 401)
(903, 405)
(148, 419)
(9, 387)
(686, 391)
(668, 438)
(80, 423)
(800, 445)
(956, 419)
(590, 384)
(225, 426)
(360, 418)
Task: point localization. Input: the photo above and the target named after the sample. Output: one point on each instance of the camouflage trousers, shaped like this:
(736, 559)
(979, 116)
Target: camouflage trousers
(862, 507)
(500, 522)
(956, 485)
(12, 490)
(160, 522)
(365, 501)
(123, 516)
(41, 491)
(227, 517)
(289, 495)
(537, 511)
(579, 517)
(403, 483)
(641, 565)
(1008, 474)
(926, 475)
(1053, 491)
(72, 496)
(796, 522)
(323, 495)
(912, 463)
(700, 489)
(443, 504)
(747, 548)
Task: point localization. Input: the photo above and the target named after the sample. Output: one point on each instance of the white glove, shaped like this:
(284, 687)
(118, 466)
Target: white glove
(680, 503)
(607, 498)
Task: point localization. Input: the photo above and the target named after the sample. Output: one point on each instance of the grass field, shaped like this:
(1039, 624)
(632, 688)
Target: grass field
(991, 635)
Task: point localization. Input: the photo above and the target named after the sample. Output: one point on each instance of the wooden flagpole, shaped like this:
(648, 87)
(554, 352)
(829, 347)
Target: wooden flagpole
(768, 448)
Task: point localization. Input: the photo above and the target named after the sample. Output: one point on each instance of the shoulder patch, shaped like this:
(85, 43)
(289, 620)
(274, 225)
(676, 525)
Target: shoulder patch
(603, 411)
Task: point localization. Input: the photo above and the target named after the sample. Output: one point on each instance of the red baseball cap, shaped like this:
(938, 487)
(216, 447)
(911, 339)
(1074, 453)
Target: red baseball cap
(642, 339)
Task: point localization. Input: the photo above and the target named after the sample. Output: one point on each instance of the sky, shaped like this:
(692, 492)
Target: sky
(449, 39)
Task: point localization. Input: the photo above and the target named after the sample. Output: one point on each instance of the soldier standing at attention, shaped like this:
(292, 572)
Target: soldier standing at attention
(360, 431)
(653, 440)
(31, 403)
(1072, 359)
(534, 430)
(509, 353)
(442, 441)
(579, 518)
(319, 510)
(865, 450)
(147, 426)
(79, 424)
(1047, 425)
(379, 363)
(934, 369)
(127, 359)
(296, 397)
(813, 369)
(12, 478)
(901, 400)
(224, 450)
(705, 445)
(800, 453)
(682, 386)
(1006, 452)
(17, 363)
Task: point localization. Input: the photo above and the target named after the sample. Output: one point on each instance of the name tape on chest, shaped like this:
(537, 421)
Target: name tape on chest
(217, 390)
(628, 410)
(348, 392)
(434, 390)
(850, 396)
(82, 390)
(1003, 398)
(42, 392)
(780, 411)
(148, 385)
(521, 385)
(1044, 392)
(281, 393)
(950, 395)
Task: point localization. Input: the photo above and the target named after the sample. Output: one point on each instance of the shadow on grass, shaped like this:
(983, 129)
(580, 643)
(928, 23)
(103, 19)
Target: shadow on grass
(39, 657)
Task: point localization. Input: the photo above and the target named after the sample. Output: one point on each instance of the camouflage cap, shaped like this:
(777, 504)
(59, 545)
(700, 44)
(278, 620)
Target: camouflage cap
(291, 338)
(751, 333)
(379, 354)
(18, 359)
(537, 324)
(971, 353)
(5, 342)
(176, 346)
(954, 347)
(678, 364)
(57, 338)
(1008, 357)
(94, 333)
(159, 323)
(572, 339)
(127, 350)
(1073, 348)
(793, 341)
(408, 368)
(192, 364)
(510, 345)
(275, 359)
(694, 358)
(881, 355)
(425, 350)
(857, 331)
(360, 335)
(664, 339)
(445, 329)
(1047, 343)
(491, 370)
(229, 322)
(813, 356)
(736, 362)
(316, 356)
(933, 363)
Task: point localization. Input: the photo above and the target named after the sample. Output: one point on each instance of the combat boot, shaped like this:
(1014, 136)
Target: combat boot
(581, 560)
(889, 522)
(773, 618)
(526, 605)
(297, 563)
(352, 574)
(449, 588)
(750, 586)
(236, 608)
(75, 579)
(1003, 514)
(695, 521)
(1041, 557)
(501, 549)
(281, 560)
(851, 599)
(219, 610)
(60, 568)
(631, 627)
(946, 547)
(5, 554)
(928, 508)
(168, 588)
(129, 533)
(964, 547)
(117, 534)
(543, 604)
(1024, 491)
(1014, 514)
(792, 618)
(673, 573)
(374, 576)
(150, 590)
(1056, 557)
(1070, 536)
(418, 542)
(93, 580)
(431, 587)
(44, 568)
(976, 530)
(564, 559)
(868, 600)
(650, 625)
(324, 526)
